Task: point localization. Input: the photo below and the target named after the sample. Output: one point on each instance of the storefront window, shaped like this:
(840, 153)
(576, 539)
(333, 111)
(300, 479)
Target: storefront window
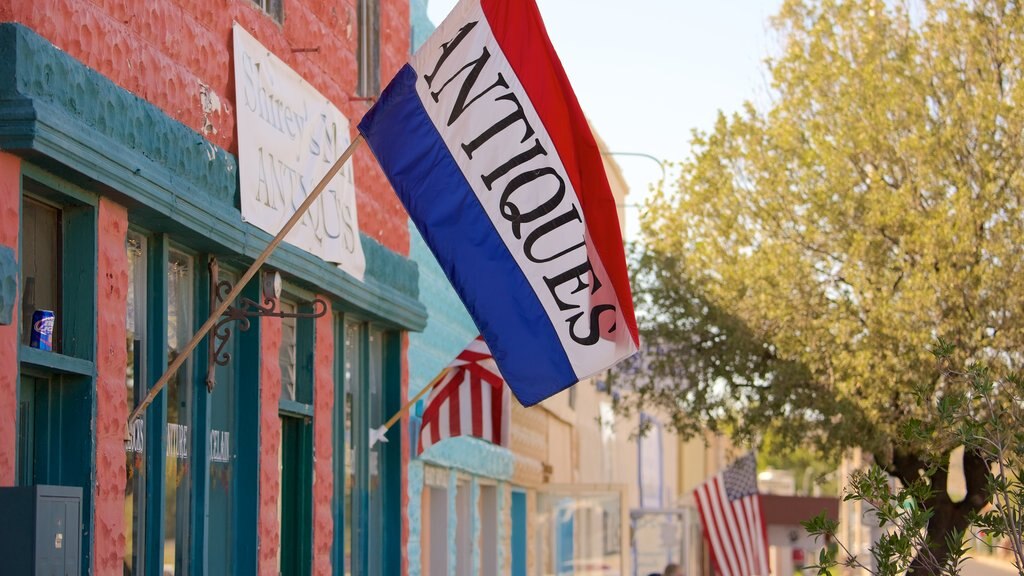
(40, 266)
(353, 381)
(295, 500)
(578, 530)
(221, 455)
(177, 472)
(375, 386)
(135, 383)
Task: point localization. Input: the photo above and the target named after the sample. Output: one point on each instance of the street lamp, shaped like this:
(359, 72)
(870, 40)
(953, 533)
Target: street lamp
(661, 163)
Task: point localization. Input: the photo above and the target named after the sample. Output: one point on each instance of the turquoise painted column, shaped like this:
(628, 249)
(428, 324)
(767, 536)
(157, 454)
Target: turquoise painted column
(453, 522)
(500, 496)
(414, 488)
(474, 526)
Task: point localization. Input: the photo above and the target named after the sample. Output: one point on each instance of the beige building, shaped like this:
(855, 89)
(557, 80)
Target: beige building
(600, 500)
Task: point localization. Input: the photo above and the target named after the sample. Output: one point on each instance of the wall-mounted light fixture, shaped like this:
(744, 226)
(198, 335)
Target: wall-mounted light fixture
(241, 313)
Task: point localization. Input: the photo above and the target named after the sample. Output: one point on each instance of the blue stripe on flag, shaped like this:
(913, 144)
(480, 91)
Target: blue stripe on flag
(455, 226)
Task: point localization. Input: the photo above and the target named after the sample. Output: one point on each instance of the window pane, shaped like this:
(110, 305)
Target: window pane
(375, 381)
(40, 266)
(286, 354)
(353, 381)
(577, 529)
(179, 411)
(222, 458)
(135, 378)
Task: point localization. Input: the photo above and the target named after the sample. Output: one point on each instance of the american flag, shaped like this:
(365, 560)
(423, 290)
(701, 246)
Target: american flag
(471, 399)
(730, 509)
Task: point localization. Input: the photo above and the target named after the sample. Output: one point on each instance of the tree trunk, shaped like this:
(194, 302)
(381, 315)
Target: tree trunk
(949, 518)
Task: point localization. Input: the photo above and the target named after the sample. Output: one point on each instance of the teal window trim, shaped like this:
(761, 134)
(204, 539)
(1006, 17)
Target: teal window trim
(376, 522)
(200, 424)
(339, 449)
(296, 545)
(295, 409)
(391, 455)
(190, 374)
(66, 414)
(360, 438)
(57, 363)
(62, 191)
(156, 431)
(246, 511)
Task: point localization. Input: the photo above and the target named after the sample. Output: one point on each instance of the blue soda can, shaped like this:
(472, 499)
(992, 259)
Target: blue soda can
(42, 330)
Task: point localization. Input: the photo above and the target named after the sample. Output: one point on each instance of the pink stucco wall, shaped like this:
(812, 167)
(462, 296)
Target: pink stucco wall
(323, 443)
(111, 396)
(269, 531)
(10, 206)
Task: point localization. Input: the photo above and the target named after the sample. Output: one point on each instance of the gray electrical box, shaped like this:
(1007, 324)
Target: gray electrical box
(41, 530)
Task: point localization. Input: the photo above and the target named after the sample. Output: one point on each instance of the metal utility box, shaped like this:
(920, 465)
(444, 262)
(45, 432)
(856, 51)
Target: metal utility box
(40, 530)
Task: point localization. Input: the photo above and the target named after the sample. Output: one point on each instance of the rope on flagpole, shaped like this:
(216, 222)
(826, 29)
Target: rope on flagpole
(260, 260)
(377, 434)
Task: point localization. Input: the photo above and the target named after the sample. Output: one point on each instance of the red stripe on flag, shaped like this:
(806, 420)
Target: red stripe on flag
(519, 30)
(478, 404)
(710, 533)
(497, 409)
(442, 416)
(730, 511)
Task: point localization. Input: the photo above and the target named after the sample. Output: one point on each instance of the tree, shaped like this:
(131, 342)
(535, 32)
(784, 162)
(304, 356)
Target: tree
(813, 248)
(984, 416)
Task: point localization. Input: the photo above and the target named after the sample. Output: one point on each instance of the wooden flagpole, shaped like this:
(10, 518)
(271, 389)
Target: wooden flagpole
(260, 260)
(377, 434)
(408, 405)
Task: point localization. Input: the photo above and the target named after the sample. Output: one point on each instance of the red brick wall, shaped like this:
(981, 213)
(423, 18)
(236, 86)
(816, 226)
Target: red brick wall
(10, 206)
(323, 444)
(111, 396)
(169, 51)
(269, 531)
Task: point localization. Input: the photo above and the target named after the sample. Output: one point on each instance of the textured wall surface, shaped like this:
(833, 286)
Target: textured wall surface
(453, 523)
(10, 206)
(323, 444)
(474, 525)
(177, 55)
(111, 396)
(415, 517)
(269, 534)
(8, 284)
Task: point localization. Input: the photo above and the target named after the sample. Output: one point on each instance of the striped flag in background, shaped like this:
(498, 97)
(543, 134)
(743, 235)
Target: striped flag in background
(470, 400)
(730, 509)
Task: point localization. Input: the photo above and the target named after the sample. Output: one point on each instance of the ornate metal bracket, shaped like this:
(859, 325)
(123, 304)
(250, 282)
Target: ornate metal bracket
(246, 308)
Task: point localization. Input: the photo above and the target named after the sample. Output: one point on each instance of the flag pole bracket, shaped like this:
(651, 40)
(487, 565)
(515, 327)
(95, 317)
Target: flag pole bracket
(241, 313)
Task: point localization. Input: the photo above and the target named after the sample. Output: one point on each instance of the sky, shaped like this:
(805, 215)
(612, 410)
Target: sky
(649, 72)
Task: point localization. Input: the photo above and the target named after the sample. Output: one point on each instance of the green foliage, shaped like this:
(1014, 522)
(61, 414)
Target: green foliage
(986, 417)
(793, 279)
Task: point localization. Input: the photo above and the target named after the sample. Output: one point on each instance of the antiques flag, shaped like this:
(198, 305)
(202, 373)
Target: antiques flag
(730, 509)
(470, 400)
(482, 138)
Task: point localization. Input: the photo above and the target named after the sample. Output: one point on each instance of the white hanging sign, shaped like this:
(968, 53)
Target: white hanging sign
(289, 135)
